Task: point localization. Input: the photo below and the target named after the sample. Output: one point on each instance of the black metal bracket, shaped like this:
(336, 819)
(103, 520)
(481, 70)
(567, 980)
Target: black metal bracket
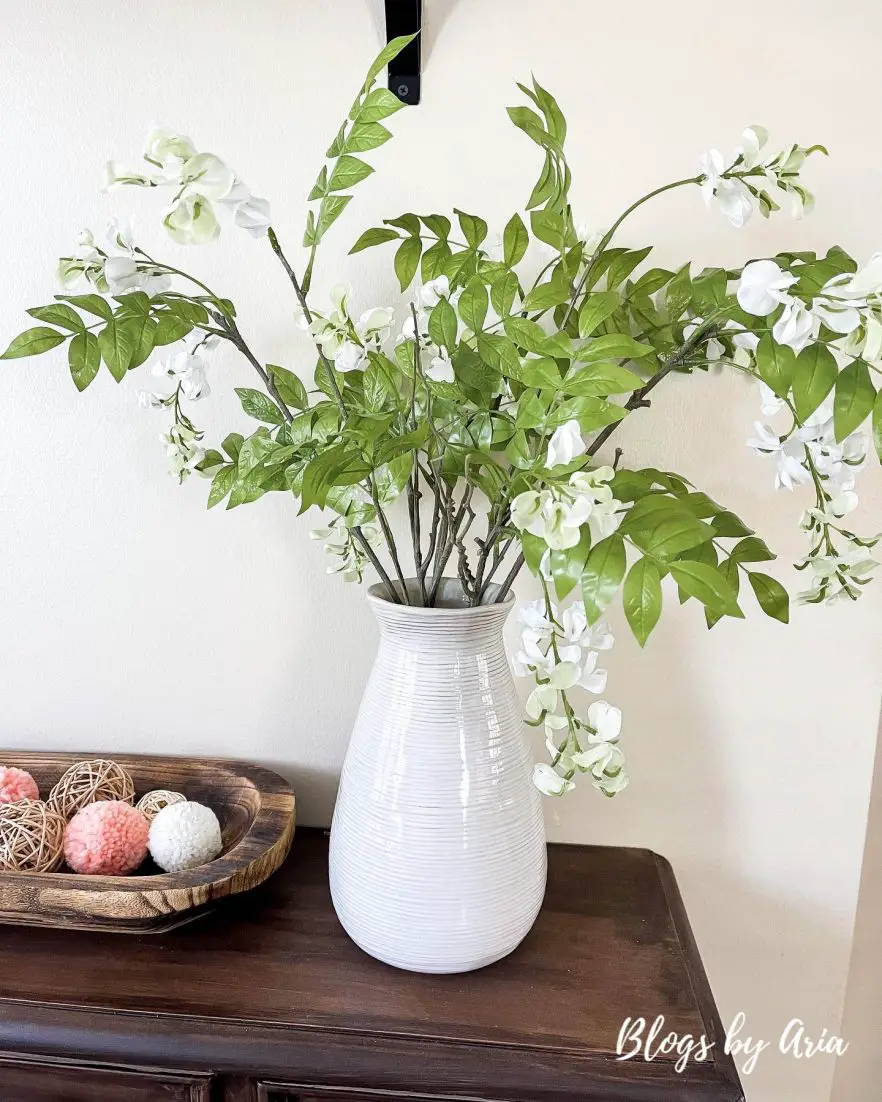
(405, 17)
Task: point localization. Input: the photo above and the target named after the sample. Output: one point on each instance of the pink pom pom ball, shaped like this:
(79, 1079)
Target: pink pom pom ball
(17, 784)
(107, 838)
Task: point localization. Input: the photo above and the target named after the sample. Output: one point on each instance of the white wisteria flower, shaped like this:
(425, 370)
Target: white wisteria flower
(790, 454)
(191, 221)
(182, 450)
(187, 370)
(550, 783)
(440, 369)
(375, 324)
(565, 444)
(563, 521)
(795, 327)
(434, 290)
(350, 357)
(770, 403)
(253, 215)
(168, 149)
(731, 196)
(753, 139)
(763, 287)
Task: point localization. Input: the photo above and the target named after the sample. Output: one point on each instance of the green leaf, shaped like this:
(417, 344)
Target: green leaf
(84, 358)
(379, 235)
(549, 227)
(378, 104)
(93, 304)
(554, 118)
(531, 411)
(776, 364)
(601, 379)
(33, 342)
(330, 210)
(662, 527)
(389, 52)
(877, 425)
(259, 405)
(591, 413)
(291, 389)
(567, 566)
(434, 260)
(813, 378)
(348, 171)
(596, 309)
(751, 549)
(602, 576)
(543, 374)
(378, 384)
(438, 224)
(136, 302)
(503, 292)
(443, 325)
(729, 526)
(528, 334)
(546, 295)
(193, 312)
(253, 450)
(364, 136)
(221, 485)
(143, 331)
(170, 328)
(473, 305)
(642, 599)
(706, 584)
(622, 266)
(407, 258)
(58, 314)
(515, 240)
(407, 222)
(232, 445)
(613, 346)
(117, 343)
(854, 400)
(474, 229)
(772, 596)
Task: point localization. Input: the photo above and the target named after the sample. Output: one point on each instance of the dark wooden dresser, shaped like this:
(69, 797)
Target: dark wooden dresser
(267, 1000)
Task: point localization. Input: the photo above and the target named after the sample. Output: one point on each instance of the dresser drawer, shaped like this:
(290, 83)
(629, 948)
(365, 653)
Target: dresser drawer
(26, 1081)
(299, 1092)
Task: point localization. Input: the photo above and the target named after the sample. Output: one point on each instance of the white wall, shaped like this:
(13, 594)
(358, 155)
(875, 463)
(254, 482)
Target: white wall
(858, 1074)
(132, 619)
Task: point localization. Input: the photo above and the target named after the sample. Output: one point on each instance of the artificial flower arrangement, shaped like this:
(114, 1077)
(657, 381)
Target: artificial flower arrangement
(486, 410)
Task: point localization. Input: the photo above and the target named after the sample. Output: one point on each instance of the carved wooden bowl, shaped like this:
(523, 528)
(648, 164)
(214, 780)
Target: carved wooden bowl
(256, 811)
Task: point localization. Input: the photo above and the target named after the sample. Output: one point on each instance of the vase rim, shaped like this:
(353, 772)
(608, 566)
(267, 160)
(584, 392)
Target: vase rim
(451, 594)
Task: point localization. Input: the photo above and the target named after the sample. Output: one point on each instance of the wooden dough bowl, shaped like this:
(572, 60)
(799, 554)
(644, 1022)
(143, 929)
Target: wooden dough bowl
(256, 811)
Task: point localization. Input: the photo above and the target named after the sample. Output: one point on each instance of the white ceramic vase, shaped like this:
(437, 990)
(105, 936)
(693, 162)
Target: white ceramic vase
(437, 858)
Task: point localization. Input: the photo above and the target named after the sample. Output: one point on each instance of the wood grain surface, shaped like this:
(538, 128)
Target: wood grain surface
(256, 811)
(271, 989)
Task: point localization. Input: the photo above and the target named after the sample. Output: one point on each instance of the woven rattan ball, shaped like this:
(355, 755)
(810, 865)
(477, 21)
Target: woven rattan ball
(31, 837)
(153, 802)
(88, 781)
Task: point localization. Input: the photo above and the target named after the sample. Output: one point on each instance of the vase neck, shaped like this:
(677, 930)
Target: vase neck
(451, 623)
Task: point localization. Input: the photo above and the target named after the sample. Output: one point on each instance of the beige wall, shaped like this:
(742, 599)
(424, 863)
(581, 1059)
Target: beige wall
(133, 619)
(858, 1075)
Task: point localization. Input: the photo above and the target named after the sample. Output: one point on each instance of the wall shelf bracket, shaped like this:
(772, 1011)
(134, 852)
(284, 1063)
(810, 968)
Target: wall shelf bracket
(405, 17)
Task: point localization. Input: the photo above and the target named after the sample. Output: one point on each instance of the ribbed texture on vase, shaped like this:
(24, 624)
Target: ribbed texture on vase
(437, 859)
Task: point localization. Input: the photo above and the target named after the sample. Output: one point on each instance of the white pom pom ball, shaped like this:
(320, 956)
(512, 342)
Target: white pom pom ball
(183, 836)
